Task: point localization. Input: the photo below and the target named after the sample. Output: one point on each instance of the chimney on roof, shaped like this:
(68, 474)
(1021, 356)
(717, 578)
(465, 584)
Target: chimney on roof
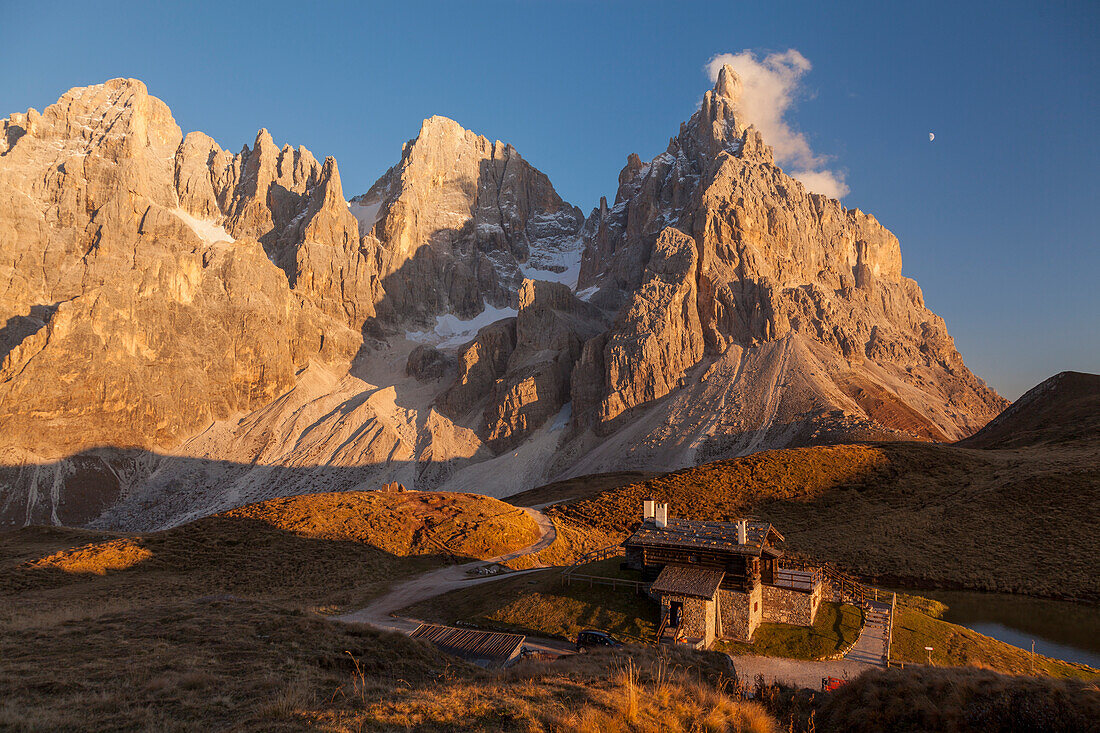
(661, 515)
(649, 512)
(742, 532)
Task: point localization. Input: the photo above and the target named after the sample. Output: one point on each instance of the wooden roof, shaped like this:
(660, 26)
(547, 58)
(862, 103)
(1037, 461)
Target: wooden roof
(685, 581)
(699, 535)
(488, 648)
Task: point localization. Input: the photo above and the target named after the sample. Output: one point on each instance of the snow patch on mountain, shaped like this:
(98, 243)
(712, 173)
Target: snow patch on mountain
(208, 231)
(451, 331)
(366, 214)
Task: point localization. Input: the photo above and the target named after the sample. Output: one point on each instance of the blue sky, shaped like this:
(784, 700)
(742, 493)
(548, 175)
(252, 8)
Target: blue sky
(998, 217)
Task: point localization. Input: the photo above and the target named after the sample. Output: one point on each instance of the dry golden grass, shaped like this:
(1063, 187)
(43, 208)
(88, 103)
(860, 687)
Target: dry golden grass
(405, 523)
(331, 551)
(248, 666)
(580, 486)
(728, 489)
(962, 700)
(539, 604)
(193, 665)
(633, 690)
(1015, 521)
(99, 557)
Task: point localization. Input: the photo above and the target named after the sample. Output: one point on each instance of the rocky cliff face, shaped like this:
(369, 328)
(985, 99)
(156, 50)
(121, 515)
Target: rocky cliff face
(183, 330)
(459, 222)
(711, 247)
(133, 316)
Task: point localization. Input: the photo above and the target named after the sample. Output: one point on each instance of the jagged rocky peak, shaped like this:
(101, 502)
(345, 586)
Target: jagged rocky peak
(657, 194)
(729, 84)
(294, 206)
(459, 221)
(160, 293)
(768, 262)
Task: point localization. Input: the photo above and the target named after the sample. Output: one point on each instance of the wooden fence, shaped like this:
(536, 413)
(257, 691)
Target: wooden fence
(570, 574)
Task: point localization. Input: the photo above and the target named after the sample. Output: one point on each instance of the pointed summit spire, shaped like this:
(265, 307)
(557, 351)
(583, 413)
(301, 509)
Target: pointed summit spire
(729, 84)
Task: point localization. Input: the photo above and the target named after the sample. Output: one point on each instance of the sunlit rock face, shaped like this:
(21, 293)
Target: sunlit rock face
(711, 248)
(183, 329)
(133, 315)
(459, 222)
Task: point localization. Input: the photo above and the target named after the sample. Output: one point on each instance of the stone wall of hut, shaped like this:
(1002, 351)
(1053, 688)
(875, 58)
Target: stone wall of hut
(786, 606)
(741, 613)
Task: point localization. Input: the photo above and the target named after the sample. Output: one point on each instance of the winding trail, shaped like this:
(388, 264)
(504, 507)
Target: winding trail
(437, 582)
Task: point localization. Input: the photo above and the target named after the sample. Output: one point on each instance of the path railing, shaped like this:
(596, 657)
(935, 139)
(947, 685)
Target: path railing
(890, 629)
(595, 556)
(662, 627)
(845, 586)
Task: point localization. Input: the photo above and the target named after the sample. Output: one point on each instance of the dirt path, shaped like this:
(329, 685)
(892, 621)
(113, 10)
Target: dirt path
(796, 672)
(443, 580)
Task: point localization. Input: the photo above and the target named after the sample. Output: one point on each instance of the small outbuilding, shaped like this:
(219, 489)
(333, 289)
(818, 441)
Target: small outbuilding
(484, 648)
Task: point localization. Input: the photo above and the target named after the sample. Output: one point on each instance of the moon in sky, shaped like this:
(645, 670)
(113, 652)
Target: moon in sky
(931, 136)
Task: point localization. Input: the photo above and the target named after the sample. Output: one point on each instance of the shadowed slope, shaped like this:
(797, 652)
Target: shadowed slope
(317, 550)
(1020, 521)
(1063, 409)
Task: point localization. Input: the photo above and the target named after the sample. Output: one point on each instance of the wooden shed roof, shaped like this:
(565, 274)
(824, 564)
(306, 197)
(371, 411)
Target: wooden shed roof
(488, 648)
(700, 535)
(685, 581)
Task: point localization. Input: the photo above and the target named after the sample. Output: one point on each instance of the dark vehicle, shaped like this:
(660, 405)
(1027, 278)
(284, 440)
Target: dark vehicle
(588, 639)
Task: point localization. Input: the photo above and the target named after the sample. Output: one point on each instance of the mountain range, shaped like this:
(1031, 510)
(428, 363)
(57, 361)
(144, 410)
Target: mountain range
(184, 330)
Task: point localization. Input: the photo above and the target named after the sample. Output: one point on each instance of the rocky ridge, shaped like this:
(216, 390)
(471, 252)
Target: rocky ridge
(188, 330)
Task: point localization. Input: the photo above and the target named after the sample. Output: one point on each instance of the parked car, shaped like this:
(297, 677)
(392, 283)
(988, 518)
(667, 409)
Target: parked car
(588, 639)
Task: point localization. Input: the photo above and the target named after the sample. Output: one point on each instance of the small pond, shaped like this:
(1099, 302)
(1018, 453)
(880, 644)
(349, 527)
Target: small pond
(1060, 629)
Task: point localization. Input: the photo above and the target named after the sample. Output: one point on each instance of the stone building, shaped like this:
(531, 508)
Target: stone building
(719, 580)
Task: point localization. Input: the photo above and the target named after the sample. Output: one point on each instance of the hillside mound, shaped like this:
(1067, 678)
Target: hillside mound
(228, 664)
(924, 699)
(318, 550)
(405, 523)
(912, 513)
(1063, 409)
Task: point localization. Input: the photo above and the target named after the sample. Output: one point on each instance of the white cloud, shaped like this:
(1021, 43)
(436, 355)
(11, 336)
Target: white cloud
(824, 182)
(771, 85)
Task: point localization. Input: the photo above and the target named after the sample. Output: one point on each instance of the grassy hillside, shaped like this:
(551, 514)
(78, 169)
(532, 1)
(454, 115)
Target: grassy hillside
(962, 700)
(918, 625)
(573, 488)
(1016, 521)
(406, 523)
(321, 550)
(1062, 410)
(207, 627)
(539, 604)
(249, 666)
